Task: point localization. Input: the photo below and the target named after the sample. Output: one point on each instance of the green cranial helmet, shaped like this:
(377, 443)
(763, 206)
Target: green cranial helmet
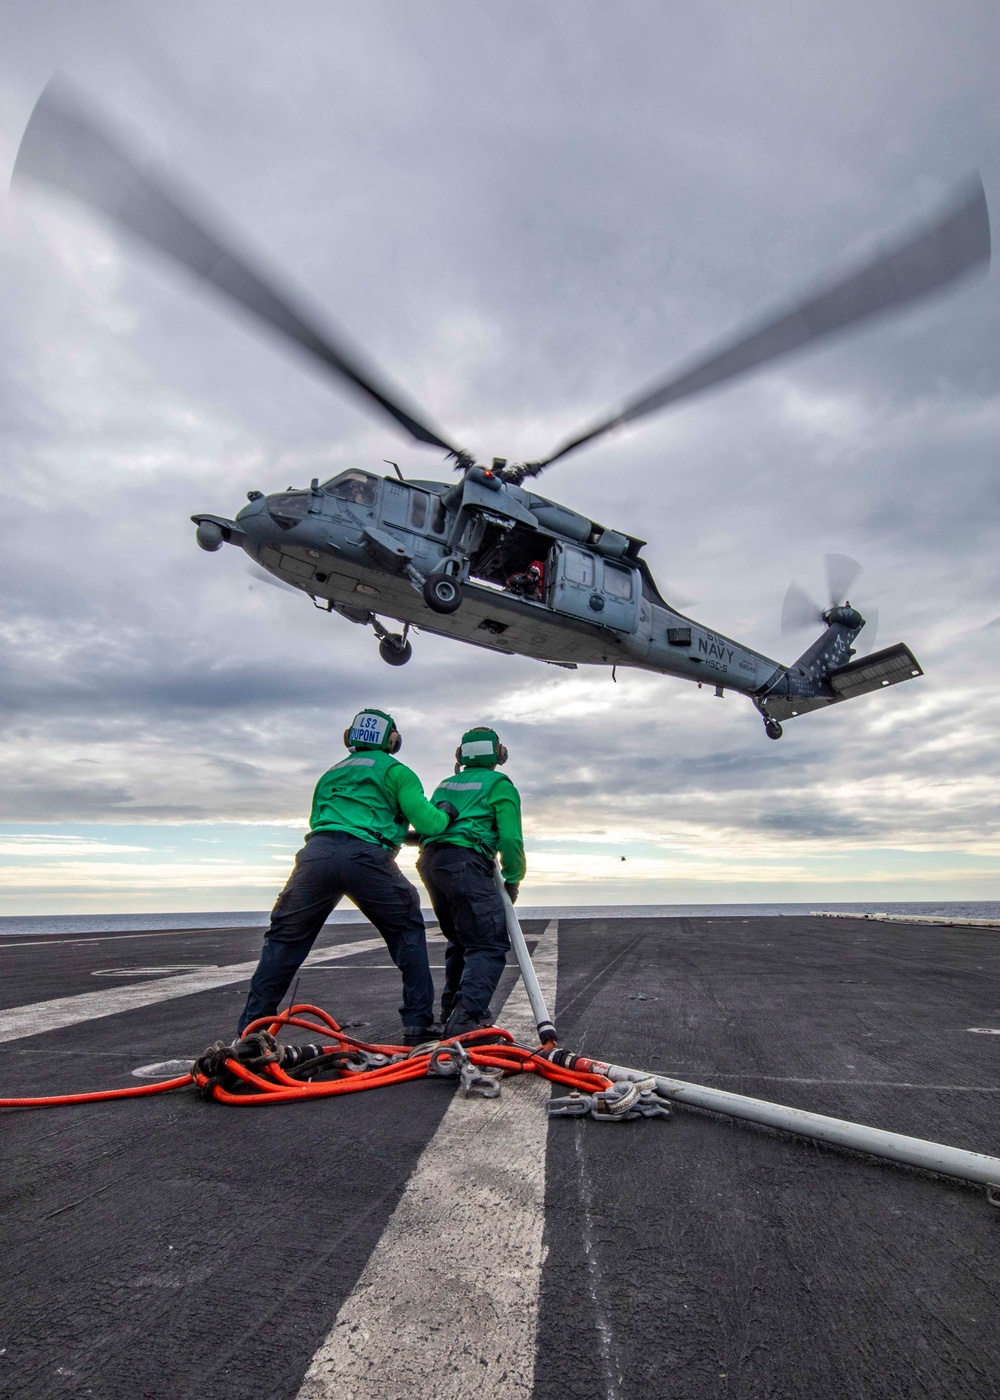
(480, 748)
(372, 729)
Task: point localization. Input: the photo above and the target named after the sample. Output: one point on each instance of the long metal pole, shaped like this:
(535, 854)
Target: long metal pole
(915, 1152)
(895, 1147)
(546, 1030)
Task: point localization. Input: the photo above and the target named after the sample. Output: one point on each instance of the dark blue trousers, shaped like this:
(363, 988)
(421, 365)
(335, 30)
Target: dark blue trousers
(470, 911)
(329, 866)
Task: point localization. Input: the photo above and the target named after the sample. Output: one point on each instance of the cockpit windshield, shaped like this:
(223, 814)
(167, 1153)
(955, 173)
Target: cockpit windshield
(287, 508)
(358, 488)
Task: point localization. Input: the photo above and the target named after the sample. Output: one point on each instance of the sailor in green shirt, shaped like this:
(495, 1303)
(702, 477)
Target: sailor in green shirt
(457, 866)
(361, 811)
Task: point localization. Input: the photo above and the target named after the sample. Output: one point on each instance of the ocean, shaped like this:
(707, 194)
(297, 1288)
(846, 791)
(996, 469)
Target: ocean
(16, 925)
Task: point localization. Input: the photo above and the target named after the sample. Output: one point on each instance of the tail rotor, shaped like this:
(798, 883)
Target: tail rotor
(800, 610)
(841, 572)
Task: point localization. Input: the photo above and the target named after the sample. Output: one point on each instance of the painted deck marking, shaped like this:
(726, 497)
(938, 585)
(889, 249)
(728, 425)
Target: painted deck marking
(447, 1304)
(79, 940)
(163, 971)
(59, 940)
(19, 1021)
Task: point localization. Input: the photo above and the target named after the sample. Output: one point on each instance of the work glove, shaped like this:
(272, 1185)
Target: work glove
(512, 890)
(449, 809)
(412, 838)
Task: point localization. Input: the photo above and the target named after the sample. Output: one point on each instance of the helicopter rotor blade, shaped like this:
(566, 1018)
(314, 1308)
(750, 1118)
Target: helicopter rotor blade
(260, 575)
(799, 610)
(64, 147)
(953, 243)
(869, 632)
(841, 572)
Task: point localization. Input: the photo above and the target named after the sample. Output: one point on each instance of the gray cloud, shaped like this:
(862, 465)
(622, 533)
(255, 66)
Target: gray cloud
(524, 214)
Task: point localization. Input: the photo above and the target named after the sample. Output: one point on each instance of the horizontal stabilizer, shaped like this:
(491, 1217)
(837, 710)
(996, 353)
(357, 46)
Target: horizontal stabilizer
(781, 707)
(875, 672)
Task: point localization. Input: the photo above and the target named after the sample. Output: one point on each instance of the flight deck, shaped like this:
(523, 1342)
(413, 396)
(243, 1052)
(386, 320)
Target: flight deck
(407, 1242)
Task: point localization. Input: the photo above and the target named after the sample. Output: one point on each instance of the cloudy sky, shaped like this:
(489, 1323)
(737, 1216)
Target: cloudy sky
(525, 212)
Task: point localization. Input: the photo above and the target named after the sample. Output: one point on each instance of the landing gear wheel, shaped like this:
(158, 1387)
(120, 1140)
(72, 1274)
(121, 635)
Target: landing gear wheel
(442, 594)
(773, 729)
(395, 650)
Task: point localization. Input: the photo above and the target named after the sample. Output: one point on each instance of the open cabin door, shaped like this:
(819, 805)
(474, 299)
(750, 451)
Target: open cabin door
(582, 584)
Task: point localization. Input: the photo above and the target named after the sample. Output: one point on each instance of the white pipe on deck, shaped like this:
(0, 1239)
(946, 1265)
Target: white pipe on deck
(914, 1152)
(546, 1030)
(896, 1147)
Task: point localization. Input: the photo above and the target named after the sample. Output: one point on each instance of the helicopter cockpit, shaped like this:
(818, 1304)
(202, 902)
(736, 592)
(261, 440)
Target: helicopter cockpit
(356, 487)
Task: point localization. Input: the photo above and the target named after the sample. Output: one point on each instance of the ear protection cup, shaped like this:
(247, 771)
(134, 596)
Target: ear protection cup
(501, 755)
(347, 738)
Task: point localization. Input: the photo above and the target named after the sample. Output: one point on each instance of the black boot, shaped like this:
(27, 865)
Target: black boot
(419, 1035)
(462, 1020)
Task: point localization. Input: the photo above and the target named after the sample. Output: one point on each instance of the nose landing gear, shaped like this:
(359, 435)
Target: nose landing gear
(773, 729)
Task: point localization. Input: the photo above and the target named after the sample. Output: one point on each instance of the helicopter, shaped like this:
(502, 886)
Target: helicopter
(485, 559)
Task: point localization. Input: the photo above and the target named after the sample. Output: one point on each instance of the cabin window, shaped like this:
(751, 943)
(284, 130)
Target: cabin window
(618, 582)
(356, 487)
(418, 509)
(439, 516)
(579, 568)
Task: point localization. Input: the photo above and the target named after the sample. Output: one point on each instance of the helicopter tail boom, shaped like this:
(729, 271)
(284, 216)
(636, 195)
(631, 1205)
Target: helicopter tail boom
(824, 674)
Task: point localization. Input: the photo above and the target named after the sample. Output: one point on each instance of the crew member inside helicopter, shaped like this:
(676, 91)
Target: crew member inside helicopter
(360, 813)
(356, 487)
(457, 868)
(530, 582)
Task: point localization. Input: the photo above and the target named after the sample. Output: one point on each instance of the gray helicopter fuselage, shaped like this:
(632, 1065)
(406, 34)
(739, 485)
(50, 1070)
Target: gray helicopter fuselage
(360, 544)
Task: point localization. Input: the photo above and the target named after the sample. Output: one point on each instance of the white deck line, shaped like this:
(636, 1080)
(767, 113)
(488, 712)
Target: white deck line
(447, 1305)
(57, 940)
(20, 1021)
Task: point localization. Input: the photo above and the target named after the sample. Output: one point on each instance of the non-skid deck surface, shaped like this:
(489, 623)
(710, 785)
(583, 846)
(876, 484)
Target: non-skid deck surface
(169, 1248)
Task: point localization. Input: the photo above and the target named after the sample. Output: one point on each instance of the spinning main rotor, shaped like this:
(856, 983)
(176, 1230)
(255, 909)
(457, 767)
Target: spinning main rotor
(65, 147)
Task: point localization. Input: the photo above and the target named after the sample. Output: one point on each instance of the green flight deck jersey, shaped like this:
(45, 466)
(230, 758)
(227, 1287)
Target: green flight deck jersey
(374, 797)
(489, 818)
